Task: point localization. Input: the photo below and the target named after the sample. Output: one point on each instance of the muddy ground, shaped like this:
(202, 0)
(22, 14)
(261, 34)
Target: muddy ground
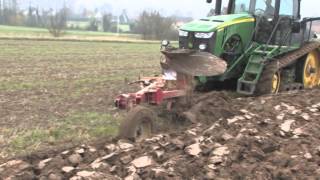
(269, 137)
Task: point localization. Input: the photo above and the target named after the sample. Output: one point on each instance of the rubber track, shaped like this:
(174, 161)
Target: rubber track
(263, 86)
(294, 55)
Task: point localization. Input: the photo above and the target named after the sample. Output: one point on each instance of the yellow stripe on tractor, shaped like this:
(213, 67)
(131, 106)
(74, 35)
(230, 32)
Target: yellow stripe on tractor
(235, 22)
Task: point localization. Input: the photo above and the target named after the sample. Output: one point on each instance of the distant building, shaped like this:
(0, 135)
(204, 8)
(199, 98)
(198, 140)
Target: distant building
(124, 18)
(121, 22)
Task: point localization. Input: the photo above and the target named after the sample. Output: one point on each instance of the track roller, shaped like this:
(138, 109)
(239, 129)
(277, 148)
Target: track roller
(270, 80)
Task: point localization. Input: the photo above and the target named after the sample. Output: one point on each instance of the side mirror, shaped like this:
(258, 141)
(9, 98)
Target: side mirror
(209, 1)
(296, 27)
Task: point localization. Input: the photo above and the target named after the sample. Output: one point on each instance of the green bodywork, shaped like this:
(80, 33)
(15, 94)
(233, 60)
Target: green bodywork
(224, 27)
(248, 67)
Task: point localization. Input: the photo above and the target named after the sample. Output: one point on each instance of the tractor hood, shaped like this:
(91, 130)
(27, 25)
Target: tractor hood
(213, 23)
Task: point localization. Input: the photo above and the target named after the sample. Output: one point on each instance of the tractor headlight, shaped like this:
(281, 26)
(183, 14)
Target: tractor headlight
(204, 35)
(202, 47)
(165, 43)
(183, 33)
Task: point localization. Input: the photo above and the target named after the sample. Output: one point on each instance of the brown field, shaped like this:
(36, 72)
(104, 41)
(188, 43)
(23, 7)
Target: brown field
(56, 91)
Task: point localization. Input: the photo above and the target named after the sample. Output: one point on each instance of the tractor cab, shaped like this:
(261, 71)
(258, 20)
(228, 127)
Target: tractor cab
(276, 20)
(268, 8)
(241, 22)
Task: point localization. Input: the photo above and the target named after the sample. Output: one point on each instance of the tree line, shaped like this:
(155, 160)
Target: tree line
(150, 24)
(10, 14)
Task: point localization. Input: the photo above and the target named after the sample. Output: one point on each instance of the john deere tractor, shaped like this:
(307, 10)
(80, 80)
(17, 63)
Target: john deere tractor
(256, 46)
(265, 45)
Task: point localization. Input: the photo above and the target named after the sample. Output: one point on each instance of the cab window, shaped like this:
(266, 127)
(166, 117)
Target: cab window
(241, 6)
(225, 7)
(289, 8)
(266, 7)
(286, 7)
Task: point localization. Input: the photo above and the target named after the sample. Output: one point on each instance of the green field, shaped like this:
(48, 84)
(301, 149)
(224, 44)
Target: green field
(63, 91)
(27, 32)
(83, 25)
(78, 24)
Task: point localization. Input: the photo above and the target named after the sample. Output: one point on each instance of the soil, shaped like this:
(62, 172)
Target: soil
(45, 85)
(268, 137)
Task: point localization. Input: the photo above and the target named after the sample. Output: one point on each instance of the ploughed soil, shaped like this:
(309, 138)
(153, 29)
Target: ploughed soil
(268, 137)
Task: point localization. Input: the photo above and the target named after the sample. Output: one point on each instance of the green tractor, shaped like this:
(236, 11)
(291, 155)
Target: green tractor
(257, 47)
(266, 46)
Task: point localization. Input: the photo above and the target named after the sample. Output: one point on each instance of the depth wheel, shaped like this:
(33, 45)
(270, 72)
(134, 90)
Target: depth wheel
(138, 124)
(270, 80)
(311, 70)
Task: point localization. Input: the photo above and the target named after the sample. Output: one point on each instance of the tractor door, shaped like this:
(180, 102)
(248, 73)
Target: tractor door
(265, 18)
(288, 15)
(275, 22)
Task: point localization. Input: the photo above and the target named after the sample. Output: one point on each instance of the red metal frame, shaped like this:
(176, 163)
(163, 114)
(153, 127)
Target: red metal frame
(154, 93)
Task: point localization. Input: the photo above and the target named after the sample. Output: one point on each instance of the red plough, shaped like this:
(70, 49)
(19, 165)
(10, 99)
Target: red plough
(154, 91)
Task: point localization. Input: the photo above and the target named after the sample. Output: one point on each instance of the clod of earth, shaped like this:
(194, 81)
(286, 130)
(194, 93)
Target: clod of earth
(125, 146)
(286, 126)
(280, 117)
(298, 132)
(193, 149)
(220, 151)
(308, 156)
(142, 162)
(80, 151)
(216, 160)
(132, 177)
(53, 176)
(229, 146)
(305, 116)
(126, 159)
(67, 169)
(75, 159)
(111, 147)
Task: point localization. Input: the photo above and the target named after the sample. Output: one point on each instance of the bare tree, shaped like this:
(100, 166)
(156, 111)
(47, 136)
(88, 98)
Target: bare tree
(1, 12)
(107, 22)
(8, 12)
(57, 22)
(31, 19)
(151, 25)
(14, 7)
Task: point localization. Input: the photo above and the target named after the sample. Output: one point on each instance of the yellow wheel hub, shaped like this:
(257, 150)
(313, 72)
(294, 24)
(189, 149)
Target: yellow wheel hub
(311, 70)
(276, 83)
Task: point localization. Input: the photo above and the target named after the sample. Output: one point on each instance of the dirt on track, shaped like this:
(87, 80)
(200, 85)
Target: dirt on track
(269, 137)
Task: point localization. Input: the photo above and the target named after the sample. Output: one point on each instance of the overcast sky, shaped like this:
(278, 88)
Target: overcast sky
(194, 8)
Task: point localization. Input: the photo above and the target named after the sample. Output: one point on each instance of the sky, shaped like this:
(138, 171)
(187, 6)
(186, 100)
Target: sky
(192, 8)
